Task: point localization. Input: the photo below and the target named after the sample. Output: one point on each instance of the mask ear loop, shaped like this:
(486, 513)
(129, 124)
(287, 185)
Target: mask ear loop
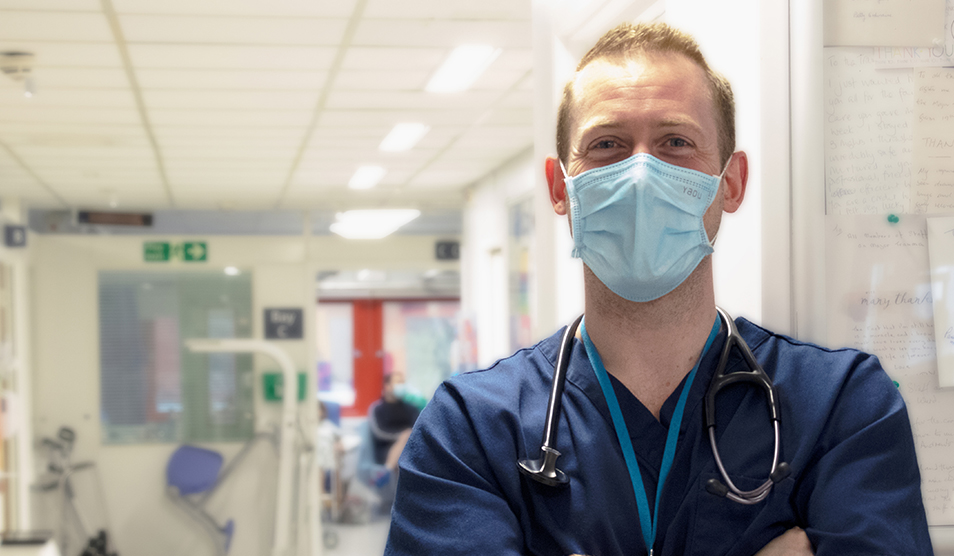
(574, 213)
(721, 177)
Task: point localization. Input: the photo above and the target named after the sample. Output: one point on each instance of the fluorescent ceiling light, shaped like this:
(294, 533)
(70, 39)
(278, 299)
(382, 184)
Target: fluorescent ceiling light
(403, 137)
(461, 68)
(366, 177)
(371, 224)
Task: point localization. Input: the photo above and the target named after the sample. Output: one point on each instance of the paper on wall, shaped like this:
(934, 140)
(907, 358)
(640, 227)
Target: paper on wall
(933, 147)
(941, 249)
(880, 301)
(884, 22)
(868, 114)
(913, 56)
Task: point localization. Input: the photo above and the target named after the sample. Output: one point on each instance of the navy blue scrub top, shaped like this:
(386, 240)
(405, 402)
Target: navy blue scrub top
(854, 487)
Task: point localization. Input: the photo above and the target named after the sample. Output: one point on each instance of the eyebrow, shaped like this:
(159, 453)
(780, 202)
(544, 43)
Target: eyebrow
(605, 122)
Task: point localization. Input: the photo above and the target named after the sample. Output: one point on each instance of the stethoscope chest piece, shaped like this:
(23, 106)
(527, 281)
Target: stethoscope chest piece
(544, 469)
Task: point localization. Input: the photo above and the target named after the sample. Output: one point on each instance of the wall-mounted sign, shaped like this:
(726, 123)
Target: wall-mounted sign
(14, 236)
(163, 251)
(447, 250)
(284, 324)
(114, 218)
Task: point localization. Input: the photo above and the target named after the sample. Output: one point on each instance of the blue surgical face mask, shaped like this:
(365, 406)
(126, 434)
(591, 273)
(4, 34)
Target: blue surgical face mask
(400, 390)
(638, 224)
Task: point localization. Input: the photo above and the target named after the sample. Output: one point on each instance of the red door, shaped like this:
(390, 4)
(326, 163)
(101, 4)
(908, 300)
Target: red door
(368, 356)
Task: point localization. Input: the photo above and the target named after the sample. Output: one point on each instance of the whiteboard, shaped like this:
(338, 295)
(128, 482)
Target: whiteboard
(867, 177)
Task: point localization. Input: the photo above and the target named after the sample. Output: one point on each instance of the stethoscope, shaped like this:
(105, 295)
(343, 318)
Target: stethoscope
(544, 469)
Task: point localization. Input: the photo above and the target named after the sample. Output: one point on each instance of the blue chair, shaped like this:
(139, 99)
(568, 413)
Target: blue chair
(191, 476)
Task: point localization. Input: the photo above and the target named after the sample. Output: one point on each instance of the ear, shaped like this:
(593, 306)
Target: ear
(557, 186)
(735, 179)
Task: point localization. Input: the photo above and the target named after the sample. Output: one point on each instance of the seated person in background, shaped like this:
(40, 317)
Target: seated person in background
(389, 424)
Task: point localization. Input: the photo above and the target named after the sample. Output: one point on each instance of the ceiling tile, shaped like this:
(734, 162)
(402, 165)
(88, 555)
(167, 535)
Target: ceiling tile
(60, 115)
(69, 98)
(513, 137)
(298, 31)
(360, 57)
(449, 178)
(385, 100)
(97, 200)
(231, 100)
(211, 150)
(52, 5)
(230, 136)
(283, 8)
(54, 26)
(55, 54)
(49, 78)
(182, 56)
(443, 9)
(365, 118)
(182, 178)
(229, 118)
(198, 79)
(59, 139)
(382, 80)
(442, 33)
(87, 156)
(202, 198)
(64, 179)
(69, 133)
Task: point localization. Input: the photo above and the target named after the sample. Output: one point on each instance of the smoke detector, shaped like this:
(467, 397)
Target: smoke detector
(16, 65)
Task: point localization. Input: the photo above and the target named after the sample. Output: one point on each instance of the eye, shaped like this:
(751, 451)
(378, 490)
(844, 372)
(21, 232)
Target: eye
(677, 142)
(606, 144)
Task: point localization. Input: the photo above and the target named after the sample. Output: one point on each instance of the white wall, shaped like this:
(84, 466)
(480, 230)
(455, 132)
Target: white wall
(66, 377)
(484, 246)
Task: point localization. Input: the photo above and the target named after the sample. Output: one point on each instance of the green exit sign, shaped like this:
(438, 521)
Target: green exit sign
(164, 251)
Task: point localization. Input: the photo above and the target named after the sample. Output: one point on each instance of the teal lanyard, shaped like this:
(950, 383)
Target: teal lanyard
(646, 523)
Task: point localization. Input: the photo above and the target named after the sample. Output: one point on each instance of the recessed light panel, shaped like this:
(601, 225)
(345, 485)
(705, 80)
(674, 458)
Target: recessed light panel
(462, 68)
(403, 137)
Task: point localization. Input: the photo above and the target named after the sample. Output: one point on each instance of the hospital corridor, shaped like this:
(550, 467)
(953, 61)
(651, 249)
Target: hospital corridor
(254, 250)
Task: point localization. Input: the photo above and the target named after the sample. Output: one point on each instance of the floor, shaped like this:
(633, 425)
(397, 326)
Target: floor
(359, 540)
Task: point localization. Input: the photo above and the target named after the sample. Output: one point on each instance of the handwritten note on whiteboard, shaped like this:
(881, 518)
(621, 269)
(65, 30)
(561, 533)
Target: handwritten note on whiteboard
(884, 22)
(941, 244)
(933, 155)
(914, 57)
(880, 301)
(868, 114)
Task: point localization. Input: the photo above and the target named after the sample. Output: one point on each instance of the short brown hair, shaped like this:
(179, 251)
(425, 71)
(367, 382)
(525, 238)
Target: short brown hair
(628, 40)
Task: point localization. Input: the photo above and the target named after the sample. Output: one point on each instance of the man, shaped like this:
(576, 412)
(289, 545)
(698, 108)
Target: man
(646, 136)
(389, 424)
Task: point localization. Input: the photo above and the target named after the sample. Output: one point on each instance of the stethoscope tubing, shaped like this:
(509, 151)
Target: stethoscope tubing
(544, 469)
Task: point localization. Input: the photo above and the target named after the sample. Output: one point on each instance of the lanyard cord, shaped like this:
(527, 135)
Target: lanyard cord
(647, 524)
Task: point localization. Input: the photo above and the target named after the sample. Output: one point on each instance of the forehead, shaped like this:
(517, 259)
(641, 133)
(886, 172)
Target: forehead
(656, 83)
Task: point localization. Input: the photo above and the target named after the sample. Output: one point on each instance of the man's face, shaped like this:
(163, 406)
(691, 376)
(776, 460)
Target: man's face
(397, 378)
(658, 105)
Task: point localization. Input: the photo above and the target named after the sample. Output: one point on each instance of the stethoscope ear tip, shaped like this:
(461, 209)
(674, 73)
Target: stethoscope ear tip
(781, 472)
(715, 486)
